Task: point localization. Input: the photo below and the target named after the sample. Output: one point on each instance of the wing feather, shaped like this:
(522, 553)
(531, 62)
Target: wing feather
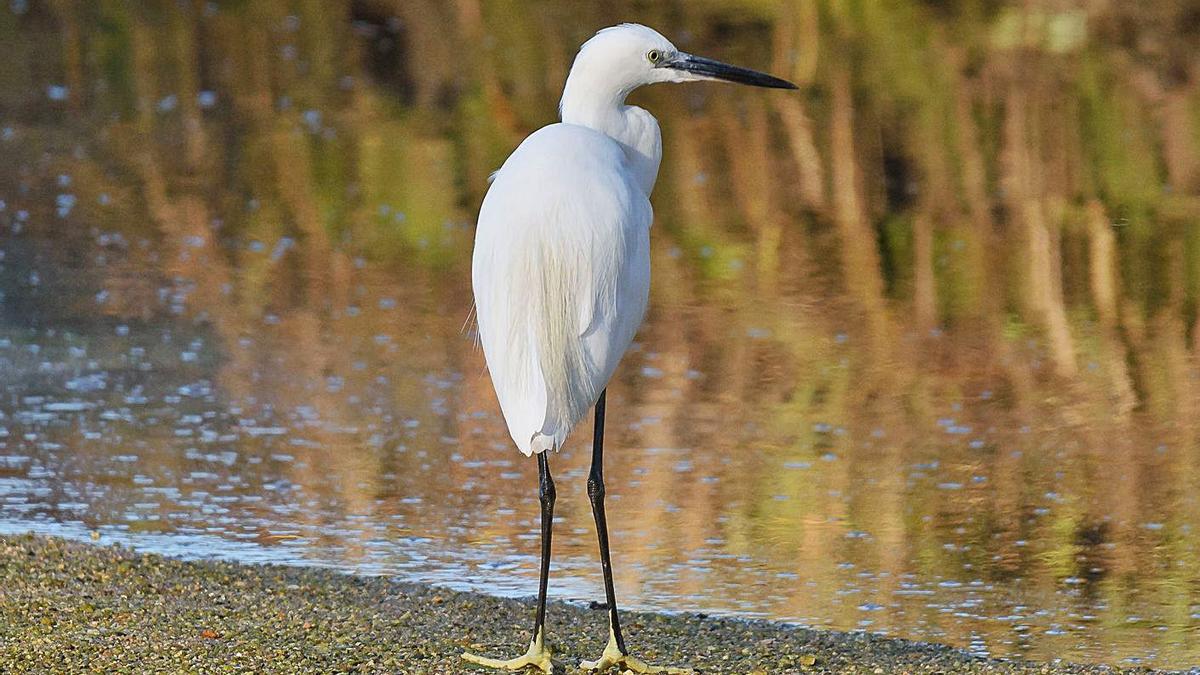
(561, 276)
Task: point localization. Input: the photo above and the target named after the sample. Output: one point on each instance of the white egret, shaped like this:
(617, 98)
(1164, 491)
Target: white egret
(561, 272)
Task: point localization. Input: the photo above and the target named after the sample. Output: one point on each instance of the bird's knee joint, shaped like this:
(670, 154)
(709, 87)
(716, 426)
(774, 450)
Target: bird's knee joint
(595, 489)
(547, 494)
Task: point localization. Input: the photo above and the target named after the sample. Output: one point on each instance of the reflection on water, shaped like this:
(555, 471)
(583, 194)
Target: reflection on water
(920, 358)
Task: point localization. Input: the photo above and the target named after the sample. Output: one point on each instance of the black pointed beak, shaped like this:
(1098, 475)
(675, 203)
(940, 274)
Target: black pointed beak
(715, 70)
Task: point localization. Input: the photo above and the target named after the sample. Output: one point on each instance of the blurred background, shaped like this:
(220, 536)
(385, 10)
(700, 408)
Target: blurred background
(921, 352)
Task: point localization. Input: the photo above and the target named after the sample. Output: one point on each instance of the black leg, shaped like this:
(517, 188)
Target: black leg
(546, 495)
(538, 654)
(595, 487)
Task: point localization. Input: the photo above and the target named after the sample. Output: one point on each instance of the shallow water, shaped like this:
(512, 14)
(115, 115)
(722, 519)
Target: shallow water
(234, 322)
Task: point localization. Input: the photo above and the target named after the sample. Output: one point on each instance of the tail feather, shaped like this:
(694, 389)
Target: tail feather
(541, 443)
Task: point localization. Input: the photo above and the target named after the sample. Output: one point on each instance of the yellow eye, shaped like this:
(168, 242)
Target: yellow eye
(654, 55)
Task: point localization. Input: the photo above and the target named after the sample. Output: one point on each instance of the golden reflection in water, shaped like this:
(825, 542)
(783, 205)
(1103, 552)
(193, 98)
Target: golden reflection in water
(921, 350)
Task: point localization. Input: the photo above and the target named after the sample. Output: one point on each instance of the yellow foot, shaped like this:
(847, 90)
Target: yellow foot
(612, 657)
(538, 656)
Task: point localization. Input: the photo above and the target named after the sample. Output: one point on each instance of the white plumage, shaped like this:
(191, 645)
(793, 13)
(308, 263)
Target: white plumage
(561, 273)
(561, 269)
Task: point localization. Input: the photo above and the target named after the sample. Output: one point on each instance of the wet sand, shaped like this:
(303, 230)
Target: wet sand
(73, 607)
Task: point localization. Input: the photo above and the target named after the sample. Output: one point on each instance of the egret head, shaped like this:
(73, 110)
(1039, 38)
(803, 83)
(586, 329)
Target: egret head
(630, 55)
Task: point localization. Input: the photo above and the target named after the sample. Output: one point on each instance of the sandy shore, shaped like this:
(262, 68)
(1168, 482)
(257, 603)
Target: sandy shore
(73, 607)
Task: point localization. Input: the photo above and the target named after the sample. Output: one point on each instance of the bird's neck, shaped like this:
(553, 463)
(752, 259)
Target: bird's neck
(603, 109)
(590, 100)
